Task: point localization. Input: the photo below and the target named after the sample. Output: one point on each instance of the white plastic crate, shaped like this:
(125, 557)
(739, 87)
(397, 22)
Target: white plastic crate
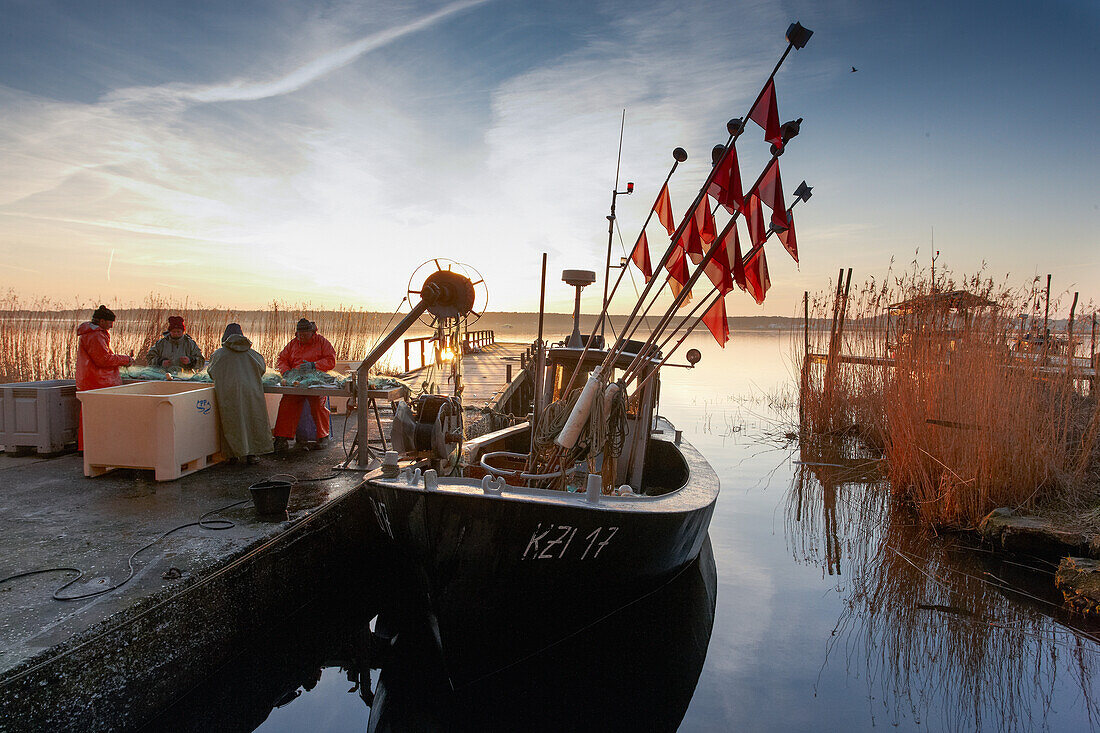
(171, 428)
(40, 415)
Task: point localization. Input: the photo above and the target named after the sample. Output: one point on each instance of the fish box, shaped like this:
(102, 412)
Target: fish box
(39, 415)
(171, 428)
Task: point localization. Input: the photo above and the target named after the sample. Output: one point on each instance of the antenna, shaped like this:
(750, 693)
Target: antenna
(611, 224)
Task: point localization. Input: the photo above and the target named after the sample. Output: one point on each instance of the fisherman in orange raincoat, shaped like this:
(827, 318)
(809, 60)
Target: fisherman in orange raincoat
(309, 350)
(96, 365)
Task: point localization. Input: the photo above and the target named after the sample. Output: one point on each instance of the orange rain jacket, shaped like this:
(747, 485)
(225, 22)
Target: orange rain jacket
(96, 365)
(317, 350)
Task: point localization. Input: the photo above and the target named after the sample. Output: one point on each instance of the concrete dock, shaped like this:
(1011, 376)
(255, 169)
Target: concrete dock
(110, 661)
(197, 595)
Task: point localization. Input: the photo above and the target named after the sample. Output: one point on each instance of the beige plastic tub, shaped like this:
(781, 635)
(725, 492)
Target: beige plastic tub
(171, 428)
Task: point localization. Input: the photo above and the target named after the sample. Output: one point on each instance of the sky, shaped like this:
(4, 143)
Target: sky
(232, 154)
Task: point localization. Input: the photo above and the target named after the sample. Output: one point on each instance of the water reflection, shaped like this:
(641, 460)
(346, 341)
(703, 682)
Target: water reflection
(938, 629)
(636, 669)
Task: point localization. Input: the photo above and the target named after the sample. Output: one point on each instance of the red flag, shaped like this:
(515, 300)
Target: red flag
(699, 231)
(716, 321)
(766, 114)
(736, 263)
(640, 256)
(770, 190)
(721, 267)
(690, 241)
(725, 187)
(754, 218)
(771, 194)
(756, 277)
(663, 209)
(787, 237)
(678, 273)
(704, 221)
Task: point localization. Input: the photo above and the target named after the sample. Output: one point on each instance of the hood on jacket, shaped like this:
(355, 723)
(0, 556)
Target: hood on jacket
(86, 327)
(237, 342)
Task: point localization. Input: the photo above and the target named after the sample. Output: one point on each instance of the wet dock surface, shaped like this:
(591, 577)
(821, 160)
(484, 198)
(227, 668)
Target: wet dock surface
(199, 591)
(194, 591)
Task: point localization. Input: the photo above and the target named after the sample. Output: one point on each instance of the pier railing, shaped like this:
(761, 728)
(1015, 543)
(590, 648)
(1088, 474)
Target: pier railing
(472, 340)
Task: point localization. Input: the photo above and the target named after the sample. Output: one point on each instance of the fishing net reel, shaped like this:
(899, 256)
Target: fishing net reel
(431, 427)
(467, 294)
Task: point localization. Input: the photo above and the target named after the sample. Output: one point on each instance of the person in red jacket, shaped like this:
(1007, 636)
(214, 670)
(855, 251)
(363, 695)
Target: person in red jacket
(308, 351)
(96, 365)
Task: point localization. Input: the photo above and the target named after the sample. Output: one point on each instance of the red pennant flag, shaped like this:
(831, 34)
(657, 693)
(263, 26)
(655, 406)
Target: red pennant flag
(754, 218)
(771, 194)
(736, 263)
(690, 241)
(663, 209)
(678, 273)
(787, 237)
(766, 114)
(716, 321)
(704, 222)
(640, 256)
(721, 267)
(725, 187)
(756, 277)
(699, 231)
(770, 190)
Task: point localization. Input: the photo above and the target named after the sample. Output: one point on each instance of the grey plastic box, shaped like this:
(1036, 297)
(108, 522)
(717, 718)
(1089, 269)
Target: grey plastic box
(41, 415)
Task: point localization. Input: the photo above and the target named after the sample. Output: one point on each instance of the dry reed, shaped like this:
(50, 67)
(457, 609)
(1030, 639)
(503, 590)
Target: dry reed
(971, 411)
(38, 338)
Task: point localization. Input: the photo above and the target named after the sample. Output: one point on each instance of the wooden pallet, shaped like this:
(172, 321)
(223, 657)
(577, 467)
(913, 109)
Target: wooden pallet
(161, 473)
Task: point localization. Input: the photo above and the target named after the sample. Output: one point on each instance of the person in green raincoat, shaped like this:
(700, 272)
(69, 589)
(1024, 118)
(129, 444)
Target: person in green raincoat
(237, 370)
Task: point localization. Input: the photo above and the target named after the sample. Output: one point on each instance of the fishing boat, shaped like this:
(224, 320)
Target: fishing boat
(516, 540)
(508, 562)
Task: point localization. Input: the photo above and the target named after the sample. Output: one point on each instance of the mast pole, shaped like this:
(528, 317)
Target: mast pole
(611, 227)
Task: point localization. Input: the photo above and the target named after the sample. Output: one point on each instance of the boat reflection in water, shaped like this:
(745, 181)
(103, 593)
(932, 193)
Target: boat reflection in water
(943, 632)
(635, 669)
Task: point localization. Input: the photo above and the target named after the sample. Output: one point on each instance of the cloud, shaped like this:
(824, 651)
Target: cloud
(244, 90)
(339, 185)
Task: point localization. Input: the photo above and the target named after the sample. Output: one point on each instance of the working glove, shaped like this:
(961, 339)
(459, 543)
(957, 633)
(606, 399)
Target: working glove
(184, 360)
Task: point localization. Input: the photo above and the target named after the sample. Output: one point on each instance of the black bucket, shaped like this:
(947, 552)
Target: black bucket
(271, 497)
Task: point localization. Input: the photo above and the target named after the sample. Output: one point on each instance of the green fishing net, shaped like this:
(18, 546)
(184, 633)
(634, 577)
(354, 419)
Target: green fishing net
(153, 374)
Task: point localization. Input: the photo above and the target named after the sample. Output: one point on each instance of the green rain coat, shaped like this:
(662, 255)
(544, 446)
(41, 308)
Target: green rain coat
(172, 349)
(236, 370)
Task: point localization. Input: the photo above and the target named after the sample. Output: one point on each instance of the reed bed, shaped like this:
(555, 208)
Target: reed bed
(967, 418)
(38, 338)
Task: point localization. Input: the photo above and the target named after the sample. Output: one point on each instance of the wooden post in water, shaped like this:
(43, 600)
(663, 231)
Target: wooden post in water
(840, 307)
(1069, 340)
(805, 383)
(1092, 356)
(1046, 318)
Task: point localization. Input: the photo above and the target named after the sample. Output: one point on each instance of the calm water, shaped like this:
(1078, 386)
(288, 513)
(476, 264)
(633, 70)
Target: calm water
(833, 612)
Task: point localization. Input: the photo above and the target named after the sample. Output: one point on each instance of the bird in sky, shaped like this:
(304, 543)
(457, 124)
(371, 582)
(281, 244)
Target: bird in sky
(854, 69)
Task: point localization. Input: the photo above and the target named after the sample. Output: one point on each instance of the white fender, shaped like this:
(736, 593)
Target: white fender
(579, 416)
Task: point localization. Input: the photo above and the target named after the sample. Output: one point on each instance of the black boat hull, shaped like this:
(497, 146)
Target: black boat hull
(504, 577)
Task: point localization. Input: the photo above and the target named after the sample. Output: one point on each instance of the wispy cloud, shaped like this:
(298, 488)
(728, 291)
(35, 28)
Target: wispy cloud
(246, 90)
(312, 187)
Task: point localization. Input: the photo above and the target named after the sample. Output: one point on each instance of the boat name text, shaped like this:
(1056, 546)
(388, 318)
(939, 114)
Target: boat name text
(554, 542)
